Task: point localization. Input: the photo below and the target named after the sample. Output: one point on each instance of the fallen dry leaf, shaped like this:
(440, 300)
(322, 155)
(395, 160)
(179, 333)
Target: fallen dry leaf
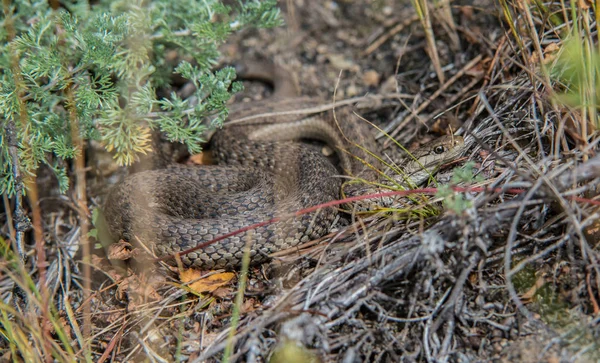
(528, 296)
(371, 78)
(550, 52)
(592, 233)
(201, 284)
(222, 292)
(473, 278)
(248, 305)
(203, 158)
(121, 251)
(137, 289)
(585, 4)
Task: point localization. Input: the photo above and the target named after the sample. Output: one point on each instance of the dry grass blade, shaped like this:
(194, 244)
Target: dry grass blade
(422, 8)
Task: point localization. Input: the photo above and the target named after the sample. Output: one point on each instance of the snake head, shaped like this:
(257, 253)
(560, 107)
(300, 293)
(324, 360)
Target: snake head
(426, 160)
(440, 150)
(415, 169)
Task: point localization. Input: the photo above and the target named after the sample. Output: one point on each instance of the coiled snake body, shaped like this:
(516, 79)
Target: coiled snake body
(262, 173)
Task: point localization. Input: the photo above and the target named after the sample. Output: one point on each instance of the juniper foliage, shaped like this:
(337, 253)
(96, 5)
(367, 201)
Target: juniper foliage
(94, 67)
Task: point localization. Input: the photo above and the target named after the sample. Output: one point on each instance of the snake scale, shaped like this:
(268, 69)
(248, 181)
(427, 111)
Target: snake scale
(262, 173)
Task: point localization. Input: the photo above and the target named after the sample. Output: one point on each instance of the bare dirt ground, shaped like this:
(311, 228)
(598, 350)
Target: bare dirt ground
(488, 275)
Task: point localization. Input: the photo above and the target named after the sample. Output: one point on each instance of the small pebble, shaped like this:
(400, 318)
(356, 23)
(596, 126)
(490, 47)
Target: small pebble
(371, 78)
(351, 90)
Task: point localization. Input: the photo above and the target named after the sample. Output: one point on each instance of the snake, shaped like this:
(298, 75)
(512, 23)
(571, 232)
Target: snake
(263, 172)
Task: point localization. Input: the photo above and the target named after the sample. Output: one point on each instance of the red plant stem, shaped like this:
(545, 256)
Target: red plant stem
(357, 198)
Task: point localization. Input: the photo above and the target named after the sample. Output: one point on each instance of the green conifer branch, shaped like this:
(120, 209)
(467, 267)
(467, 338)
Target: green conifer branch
(111, 56)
